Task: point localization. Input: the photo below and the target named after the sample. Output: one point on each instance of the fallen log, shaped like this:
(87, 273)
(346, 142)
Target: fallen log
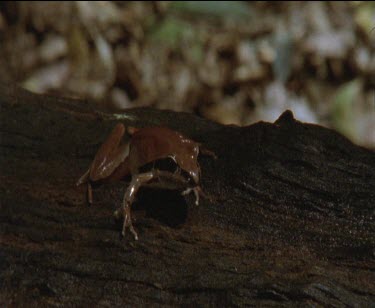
(291, 221)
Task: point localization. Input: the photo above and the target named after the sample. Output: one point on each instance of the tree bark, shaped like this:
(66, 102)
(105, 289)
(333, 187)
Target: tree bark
(290, 222)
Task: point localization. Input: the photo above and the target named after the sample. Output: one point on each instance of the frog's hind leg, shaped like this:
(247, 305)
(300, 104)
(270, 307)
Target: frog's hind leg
(137, 181)
(85, 178)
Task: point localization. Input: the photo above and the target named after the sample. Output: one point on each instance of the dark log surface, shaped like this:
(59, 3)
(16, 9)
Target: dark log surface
(292, 219)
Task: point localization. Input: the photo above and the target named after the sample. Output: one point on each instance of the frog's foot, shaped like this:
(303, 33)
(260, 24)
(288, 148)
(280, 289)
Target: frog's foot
(128, 224)
(197, 191)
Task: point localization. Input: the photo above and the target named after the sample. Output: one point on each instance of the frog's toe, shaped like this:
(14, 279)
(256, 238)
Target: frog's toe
(196, 191)
(127, 223)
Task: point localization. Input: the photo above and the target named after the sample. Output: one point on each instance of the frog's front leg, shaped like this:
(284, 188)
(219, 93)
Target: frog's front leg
(198, 192)
(137, 181)
(207, 152)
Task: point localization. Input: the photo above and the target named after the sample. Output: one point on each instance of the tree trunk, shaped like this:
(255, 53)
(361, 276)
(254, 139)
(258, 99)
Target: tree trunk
(290, 221)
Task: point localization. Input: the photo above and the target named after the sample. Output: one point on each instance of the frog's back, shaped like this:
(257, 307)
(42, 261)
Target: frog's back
(153, 143)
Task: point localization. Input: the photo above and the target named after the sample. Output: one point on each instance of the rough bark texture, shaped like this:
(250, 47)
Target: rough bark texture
(291, 221)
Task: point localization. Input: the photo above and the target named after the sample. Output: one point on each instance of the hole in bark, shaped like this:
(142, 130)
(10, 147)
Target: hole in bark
(166, 206)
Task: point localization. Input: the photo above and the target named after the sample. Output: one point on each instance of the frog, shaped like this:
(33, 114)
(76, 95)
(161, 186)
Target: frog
(141, 159)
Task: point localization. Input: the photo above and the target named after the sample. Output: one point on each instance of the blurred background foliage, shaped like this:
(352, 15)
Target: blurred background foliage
(234, 62)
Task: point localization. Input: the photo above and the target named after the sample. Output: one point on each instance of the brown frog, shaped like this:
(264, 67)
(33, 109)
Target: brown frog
(138, 158)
